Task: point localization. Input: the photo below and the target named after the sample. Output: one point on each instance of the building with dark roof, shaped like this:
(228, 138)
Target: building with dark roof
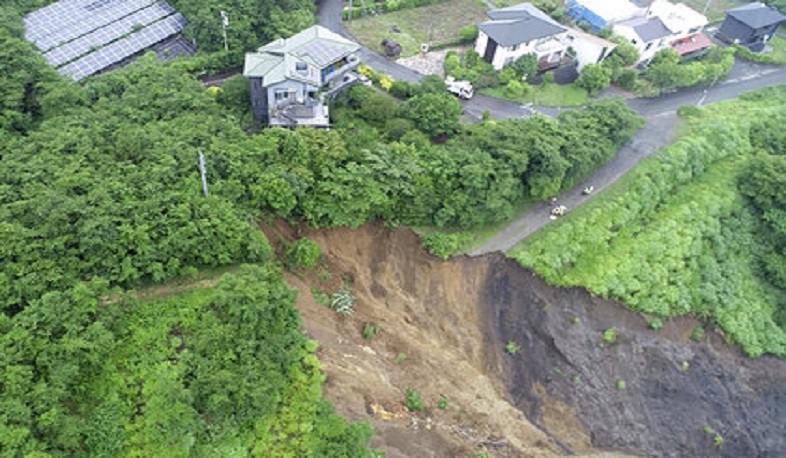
(85, 37)
(525, 30)
(664, 25)
(290, 77)
(751, 25)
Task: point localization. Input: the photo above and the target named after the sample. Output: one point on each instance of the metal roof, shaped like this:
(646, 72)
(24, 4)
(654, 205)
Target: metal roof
(316, 46)
(648, 29)
(519, 24)
(756, 15)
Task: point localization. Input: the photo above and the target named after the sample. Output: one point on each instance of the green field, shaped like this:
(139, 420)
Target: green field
(438, 23)
(549, 95)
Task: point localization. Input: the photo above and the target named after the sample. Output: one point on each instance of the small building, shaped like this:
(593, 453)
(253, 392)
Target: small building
(519, 30)
(289, 78)
(751, 25)
(665, 25)
(647, 34)
(602, 14)
(523, 29)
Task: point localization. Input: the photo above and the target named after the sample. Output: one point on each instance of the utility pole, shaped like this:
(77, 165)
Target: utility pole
(203, 172)
(706, 7)
(225, 24)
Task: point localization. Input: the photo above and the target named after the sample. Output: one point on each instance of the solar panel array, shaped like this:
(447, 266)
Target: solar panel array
(83, 37)
(119, 50)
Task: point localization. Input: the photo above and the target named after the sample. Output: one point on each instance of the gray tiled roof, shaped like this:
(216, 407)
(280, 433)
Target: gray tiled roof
(648, 29)
(756, 15)
(519, 24)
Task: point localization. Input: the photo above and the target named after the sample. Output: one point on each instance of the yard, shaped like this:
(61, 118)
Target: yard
(717, 9)
(548, 95)
(438, 23)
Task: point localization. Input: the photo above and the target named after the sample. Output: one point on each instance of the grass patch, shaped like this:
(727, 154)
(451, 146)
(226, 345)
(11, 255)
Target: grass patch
(717, 10)
(438, 23)
(549, 95)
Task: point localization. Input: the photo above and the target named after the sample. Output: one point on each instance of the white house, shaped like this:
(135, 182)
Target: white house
(520, 30)
(289, 78)
(665, 25)
(523, 29)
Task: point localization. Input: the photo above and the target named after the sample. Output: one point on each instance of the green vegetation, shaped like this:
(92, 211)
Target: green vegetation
(441, 244)
(320, 297)
(370, 330)
(610, 335)
(621, 385)
(302, 253)
(413, 402)
(694, 229)
(400, 358)
(438, 23)
(549, 95)
(776, 56)
(512, 348)
(717, 439)
(84, 376)
(343, 302)
(697, 334)
(655, 324)
(442, 404)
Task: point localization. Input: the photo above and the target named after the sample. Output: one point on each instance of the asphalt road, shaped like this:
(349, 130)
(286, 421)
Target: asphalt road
(659, 113)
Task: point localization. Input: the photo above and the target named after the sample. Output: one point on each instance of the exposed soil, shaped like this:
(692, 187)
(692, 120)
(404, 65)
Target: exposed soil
(444, 328)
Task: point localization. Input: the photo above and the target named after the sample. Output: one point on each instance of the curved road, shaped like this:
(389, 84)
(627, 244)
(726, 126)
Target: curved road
(659, 130)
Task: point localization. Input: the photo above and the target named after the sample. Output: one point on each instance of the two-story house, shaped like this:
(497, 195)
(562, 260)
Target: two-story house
(750, 25)
(523, 29)
(665, 25)
(290, 77)
(520, 30)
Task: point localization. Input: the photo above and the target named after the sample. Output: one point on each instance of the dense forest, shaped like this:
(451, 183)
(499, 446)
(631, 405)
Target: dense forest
(101, 194)
(698, 228)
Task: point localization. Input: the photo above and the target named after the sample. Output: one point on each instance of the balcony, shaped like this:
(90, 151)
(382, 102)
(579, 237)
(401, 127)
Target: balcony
(311, 113)
(337, 70)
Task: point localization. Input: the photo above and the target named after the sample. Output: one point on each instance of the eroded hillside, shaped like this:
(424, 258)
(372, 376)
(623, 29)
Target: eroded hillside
(444, 327)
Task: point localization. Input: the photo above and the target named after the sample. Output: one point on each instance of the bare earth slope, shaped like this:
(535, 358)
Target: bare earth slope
(559, 394)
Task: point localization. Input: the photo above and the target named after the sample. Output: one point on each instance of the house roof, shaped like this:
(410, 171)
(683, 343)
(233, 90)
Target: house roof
(520, 11)
(693, 43)
(677, 17)
(594, 39)
(612, 10)
(756, 15)
(301, 56)
(648, 29)
(519, 24)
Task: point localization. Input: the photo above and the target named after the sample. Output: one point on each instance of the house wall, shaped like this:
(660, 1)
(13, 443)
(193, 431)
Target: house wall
(259, 106)
(589, 52)
(506, 55)
(647, 49)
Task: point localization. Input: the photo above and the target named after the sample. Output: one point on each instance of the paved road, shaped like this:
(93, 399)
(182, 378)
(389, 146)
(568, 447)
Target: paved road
(660, 128)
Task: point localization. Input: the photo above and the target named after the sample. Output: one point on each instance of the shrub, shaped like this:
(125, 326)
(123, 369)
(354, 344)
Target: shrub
(656, 323)
(512, 348)
(413, 402)
(621, 385)
(610, 335)
(697, 334)
(320, 297)
(403, 90)
(469, 33)
(440, 244)
(400, 357)
(302, 253)
(371, 329)
(442, 404)
(343, 301)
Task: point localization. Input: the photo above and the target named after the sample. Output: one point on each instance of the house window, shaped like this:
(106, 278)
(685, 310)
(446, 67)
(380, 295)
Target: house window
(515, 48)
(633, 41)
(281, 94)
(649, 45)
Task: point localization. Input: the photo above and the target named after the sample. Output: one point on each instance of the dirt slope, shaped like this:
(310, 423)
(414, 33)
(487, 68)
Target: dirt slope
(444, 327)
